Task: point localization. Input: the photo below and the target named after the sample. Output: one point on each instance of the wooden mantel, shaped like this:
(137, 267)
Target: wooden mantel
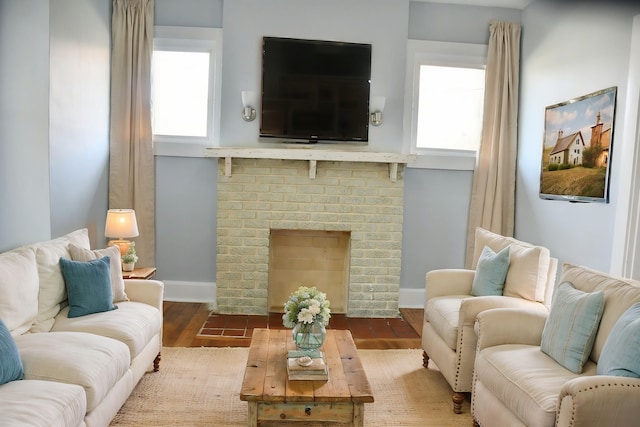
(313, 154)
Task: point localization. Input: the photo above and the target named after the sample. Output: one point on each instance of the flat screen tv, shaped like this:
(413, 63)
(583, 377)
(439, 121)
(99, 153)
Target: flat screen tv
(315, 90)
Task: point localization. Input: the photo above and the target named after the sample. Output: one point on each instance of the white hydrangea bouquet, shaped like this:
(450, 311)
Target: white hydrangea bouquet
(306, 305)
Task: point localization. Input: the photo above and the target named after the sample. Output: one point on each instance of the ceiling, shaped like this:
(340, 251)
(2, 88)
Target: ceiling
(514, 4)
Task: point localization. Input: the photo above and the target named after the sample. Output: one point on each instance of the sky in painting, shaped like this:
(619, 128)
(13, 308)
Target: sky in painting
(579, 114)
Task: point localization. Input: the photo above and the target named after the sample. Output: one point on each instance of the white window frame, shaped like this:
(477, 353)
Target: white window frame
(193, 39)
(446, 54)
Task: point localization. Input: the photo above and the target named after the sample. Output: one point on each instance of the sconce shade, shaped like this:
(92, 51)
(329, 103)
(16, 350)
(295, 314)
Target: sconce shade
(121, 223)
(249, 101)
(376, 107)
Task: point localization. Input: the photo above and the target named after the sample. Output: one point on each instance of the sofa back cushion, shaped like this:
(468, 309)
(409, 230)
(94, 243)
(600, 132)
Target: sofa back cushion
(530, 266)
(52, 294)
(18, 289)
(619, 295)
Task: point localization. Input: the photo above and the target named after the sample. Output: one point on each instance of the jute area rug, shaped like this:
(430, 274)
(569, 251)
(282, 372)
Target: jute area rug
(201, 387)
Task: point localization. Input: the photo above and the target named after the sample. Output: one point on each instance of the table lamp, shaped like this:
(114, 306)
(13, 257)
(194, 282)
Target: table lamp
(121, 224)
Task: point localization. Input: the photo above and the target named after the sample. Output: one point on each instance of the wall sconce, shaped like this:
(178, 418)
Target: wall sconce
(249, 99)
(376, 107)
(121, 223)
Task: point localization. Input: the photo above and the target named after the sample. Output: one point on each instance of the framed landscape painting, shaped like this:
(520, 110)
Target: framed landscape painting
(576, 151)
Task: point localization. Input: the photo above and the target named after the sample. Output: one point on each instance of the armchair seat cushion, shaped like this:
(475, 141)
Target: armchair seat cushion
(531, 393)
(443, 314)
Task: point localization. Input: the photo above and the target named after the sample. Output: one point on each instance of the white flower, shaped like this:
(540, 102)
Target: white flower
(306, 305)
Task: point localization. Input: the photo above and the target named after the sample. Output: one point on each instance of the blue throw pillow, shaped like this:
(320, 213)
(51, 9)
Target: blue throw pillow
(11, 368)
(621, 352)
(571, 327)
(88, 286)
(491, 272)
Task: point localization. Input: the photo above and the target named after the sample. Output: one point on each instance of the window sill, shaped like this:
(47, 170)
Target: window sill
(444, 159)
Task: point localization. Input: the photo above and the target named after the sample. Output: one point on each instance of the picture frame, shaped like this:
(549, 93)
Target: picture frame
(577, 148)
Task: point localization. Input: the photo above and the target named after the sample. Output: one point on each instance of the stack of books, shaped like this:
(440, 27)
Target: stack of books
(307, 366)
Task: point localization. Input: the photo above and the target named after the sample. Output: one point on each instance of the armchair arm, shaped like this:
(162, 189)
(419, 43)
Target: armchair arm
(448, 282)
(599, 400)
(510, 326)
(147, 291)
(471, 307)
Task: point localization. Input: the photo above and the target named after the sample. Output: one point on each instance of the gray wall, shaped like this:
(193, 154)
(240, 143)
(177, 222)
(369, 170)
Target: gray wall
(568, 52)
(24, 118)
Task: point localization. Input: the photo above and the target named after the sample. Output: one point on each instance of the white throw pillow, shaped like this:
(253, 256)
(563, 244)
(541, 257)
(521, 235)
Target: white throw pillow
(19, 289)
(113, 252)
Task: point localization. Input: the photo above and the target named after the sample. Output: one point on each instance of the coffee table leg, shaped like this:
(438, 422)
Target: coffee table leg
(358, 414)
(252, 418)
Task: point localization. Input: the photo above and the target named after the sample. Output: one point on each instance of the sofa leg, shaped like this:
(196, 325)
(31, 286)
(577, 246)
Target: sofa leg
(425, 359)
(156, 363)
(457, 398)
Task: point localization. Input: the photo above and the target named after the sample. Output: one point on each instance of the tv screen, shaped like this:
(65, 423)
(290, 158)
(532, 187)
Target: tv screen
(315, 90)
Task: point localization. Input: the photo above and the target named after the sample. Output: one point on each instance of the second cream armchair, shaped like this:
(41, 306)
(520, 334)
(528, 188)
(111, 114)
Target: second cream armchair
(450, 311)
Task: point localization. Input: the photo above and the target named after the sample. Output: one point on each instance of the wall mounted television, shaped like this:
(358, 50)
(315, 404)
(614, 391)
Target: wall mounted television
(315, 91)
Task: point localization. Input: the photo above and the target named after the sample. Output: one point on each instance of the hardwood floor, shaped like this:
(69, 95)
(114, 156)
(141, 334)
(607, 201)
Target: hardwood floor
(183, 321)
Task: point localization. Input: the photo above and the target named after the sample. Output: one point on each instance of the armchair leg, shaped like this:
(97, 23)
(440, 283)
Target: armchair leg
(425, 359)
(457, 398)
(475, 424)
(156, 363)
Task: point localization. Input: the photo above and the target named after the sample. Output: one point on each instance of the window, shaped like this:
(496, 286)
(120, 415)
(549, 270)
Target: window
(444, 99)
(185, 80)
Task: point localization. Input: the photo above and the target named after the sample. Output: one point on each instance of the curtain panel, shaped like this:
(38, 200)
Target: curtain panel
(131, 161)
(494, 179)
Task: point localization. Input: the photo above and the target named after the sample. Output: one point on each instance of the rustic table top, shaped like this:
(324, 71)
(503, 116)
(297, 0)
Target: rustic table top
(265, 377)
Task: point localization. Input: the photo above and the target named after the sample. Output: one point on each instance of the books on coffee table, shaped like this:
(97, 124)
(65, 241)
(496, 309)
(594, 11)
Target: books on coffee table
(315, 369)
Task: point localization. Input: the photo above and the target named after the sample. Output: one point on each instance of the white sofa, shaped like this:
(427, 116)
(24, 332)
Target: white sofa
(76, 371)
(450, 310)
(516, 383)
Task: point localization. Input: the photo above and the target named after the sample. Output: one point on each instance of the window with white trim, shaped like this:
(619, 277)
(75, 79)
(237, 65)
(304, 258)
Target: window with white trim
(185, 89)
(444, 99)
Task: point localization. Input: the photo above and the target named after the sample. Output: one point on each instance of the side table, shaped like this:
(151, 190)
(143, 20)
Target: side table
(145, 273)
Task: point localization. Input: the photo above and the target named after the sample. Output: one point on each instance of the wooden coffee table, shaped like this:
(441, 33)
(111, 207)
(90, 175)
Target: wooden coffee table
(272, 397)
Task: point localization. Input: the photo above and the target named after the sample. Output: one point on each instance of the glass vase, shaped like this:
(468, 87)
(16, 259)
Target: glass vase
(309, 336)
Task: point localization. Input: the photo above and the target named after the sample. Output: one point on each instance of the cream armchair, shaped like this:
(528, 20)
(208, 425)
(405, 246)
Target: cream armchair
(450, 310)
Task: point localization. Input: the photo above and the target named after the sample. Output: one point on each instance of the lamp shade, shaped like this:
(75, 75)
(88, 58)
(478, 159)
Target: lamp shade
(121, 223)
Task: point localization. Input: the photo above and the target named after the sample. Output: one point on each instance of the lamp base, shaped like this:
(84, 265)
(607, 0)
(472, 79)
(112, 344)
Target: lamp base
(122, 244)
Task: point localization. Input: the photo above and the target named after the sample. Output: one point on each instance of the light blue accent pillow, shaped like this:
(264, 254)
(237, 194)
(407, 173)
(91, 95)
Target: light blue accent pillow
(88, 286)
(621, 352)
(491, 272)
(11, 368)
(571, 327)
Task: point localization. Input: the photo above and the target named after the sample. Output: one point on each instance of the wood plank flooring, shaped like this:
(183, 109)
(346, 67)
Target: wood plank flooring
(183, 320)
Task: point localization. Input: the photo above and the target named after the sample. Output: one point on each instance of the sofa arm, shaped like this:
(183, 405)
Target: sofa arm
(599, 400)
(471, 307)
(448, 282)
(147, 291)
(510, 326)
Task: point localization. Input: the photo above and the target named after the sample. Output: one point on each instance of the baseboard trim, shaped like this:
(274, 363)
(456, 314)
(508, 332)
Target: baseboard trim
(205, 292)
(180, 291)
(411, 298)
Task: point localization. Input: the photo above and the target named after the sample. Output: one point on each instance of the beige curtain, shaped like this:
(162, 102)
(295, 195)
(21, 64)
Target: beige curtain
(131, 168)
(494, 179)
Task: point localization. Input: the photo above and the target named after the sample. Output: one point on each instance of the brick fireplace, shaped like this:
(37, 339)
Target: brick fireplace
(259, 195)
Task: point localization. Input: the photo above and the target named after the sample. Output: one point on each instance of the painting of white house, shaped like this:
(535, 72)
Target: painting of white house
(577, 148)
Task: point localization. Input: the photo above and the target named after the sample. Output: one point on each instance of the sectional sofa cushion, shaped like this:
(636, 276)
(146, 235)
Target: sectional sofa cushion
(52, 295)
(133, 323)
(91, 361)
(19, 289)
(42, 403)
(10, 363)
(621, 352)
(113, 252)
(491, 272)
(571, 328)
(88, 286)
